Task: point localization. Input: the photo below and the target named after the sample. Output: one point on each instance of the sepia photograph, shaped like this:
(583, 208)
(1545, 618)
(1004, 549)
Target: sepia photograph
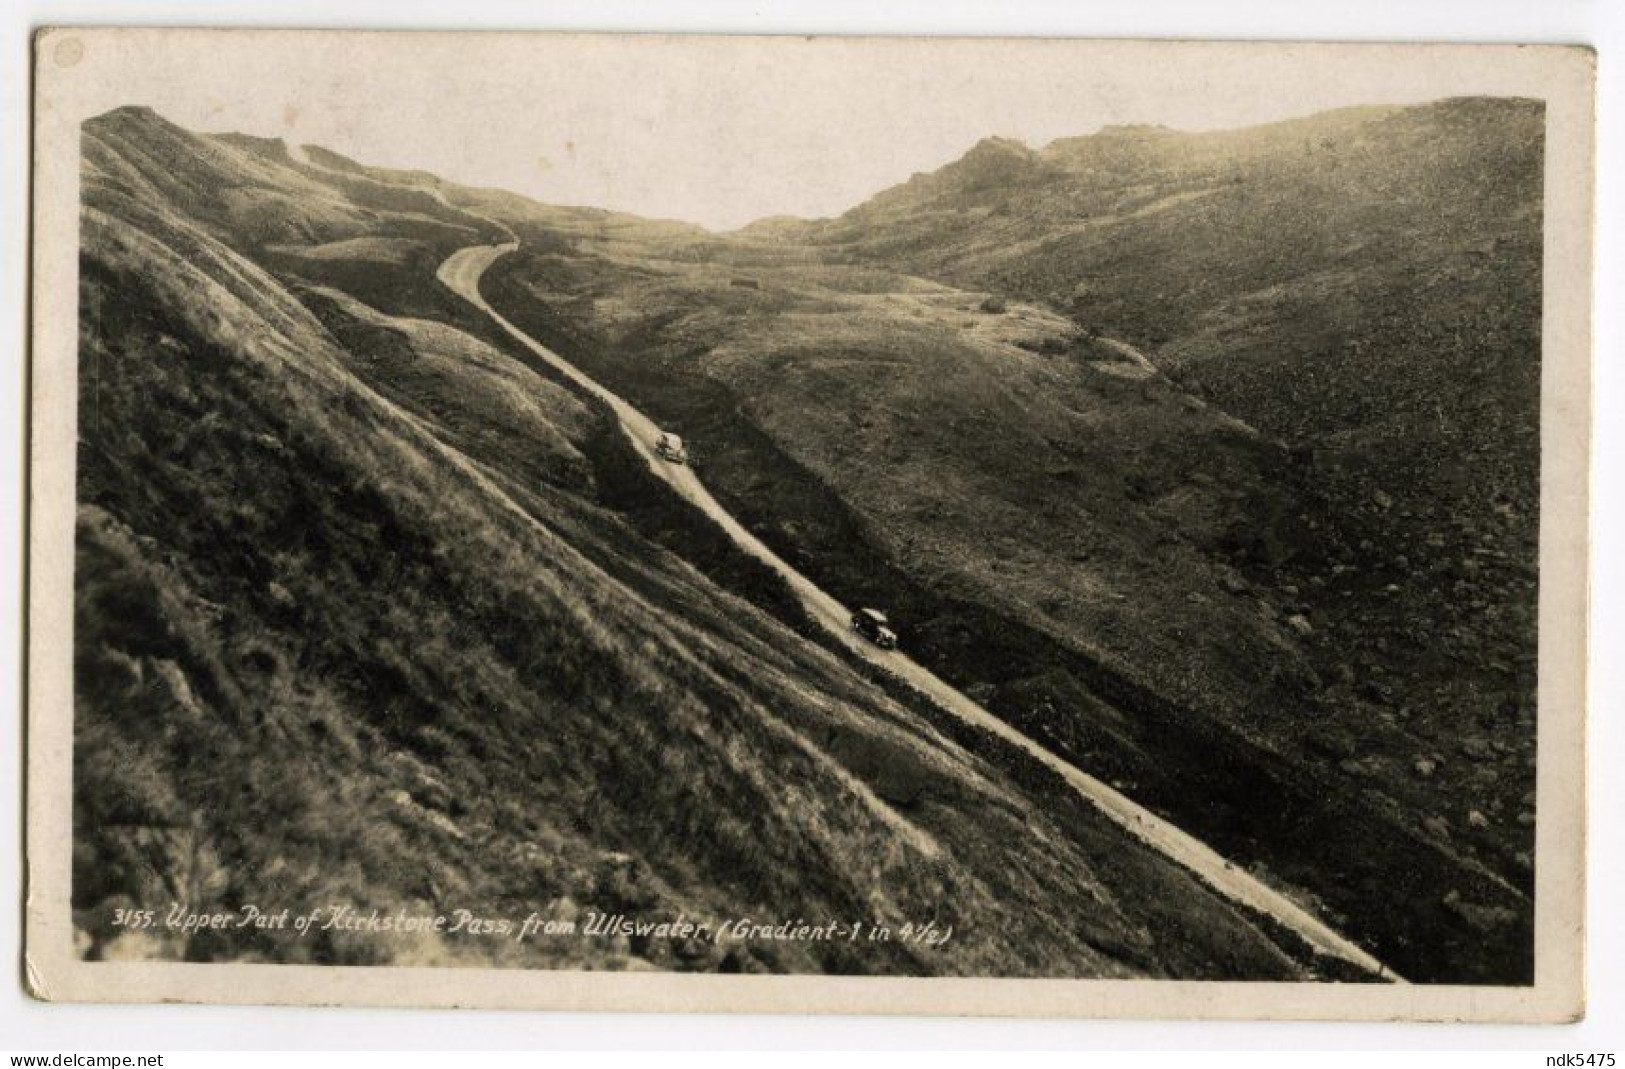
(809, 524)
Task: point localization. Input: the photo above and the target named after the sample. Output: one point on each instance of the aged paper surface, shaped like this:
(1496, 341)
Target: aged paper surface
(942, 526)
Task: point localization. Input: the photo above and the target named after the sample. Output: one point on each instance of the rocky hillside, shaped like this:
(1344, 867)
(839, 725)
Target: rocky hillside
(1364, 287)
(1207, 459)
(372, 613)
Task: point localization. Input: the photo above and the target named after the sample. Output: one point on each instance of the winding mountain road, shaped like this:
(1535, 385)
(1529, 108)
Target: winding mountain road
(461, 272)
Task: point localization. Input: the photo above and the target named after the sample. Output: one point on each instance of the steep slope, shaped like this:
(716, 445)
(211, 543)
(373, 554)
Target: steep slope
(1365, 286)
(371, 613)
(1304, 633)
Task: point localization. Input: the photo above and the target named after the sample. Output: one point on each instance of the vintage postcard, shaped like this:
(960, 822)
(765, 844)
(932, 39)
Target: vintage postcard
(880, 525)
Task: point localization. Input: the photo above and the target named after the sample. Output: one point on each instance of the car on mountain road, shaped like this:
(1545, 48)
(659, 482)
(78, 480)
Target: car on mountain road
(872, 625)
(671, 447)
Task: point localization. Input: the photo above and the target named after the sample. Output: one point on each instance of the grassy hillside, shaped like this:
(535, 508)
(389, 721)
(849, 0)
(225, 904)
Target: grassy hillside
(369, 612)
(1363, 286)
(1278, 584)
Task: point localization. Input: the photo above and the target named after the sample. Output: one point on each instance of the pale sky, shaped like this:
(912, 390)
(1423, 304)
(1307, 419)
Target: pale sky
(721, 131)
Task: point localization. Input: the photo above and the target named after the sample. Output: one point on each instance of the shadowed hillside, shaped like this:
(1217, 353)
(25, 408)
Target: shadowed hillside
(1209, 460)
(371, 612)
(1363, 286)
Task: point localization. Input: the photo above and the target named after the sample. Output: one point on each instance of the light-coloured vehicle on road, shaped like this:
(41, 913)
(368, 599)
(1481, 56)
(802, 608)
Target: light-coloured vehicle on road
(871, 624)
(671, 447)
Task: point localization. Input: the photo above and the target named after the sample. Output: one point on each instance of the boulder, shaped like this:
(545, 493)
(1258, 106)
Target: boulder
(1479, 918)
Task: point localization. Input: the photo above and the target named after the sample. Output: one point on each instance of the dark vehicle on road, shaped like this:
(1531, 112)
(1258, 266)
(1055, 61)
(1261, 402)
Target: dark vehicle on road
(871, 624)
(671, 447)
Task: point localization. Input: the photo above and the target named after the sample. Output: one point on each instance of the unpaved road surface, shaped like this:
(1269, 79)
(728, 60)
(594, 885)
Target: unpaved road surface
(461, 272)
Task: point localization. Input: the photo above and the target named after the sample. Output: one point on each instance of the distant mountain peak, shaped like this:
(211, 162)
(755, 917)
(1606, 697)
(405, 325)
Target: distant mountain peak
(1000, 145)
(135, 111)
(991, 161)
(1001, 156)
(1146, 131)
(134, 116)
